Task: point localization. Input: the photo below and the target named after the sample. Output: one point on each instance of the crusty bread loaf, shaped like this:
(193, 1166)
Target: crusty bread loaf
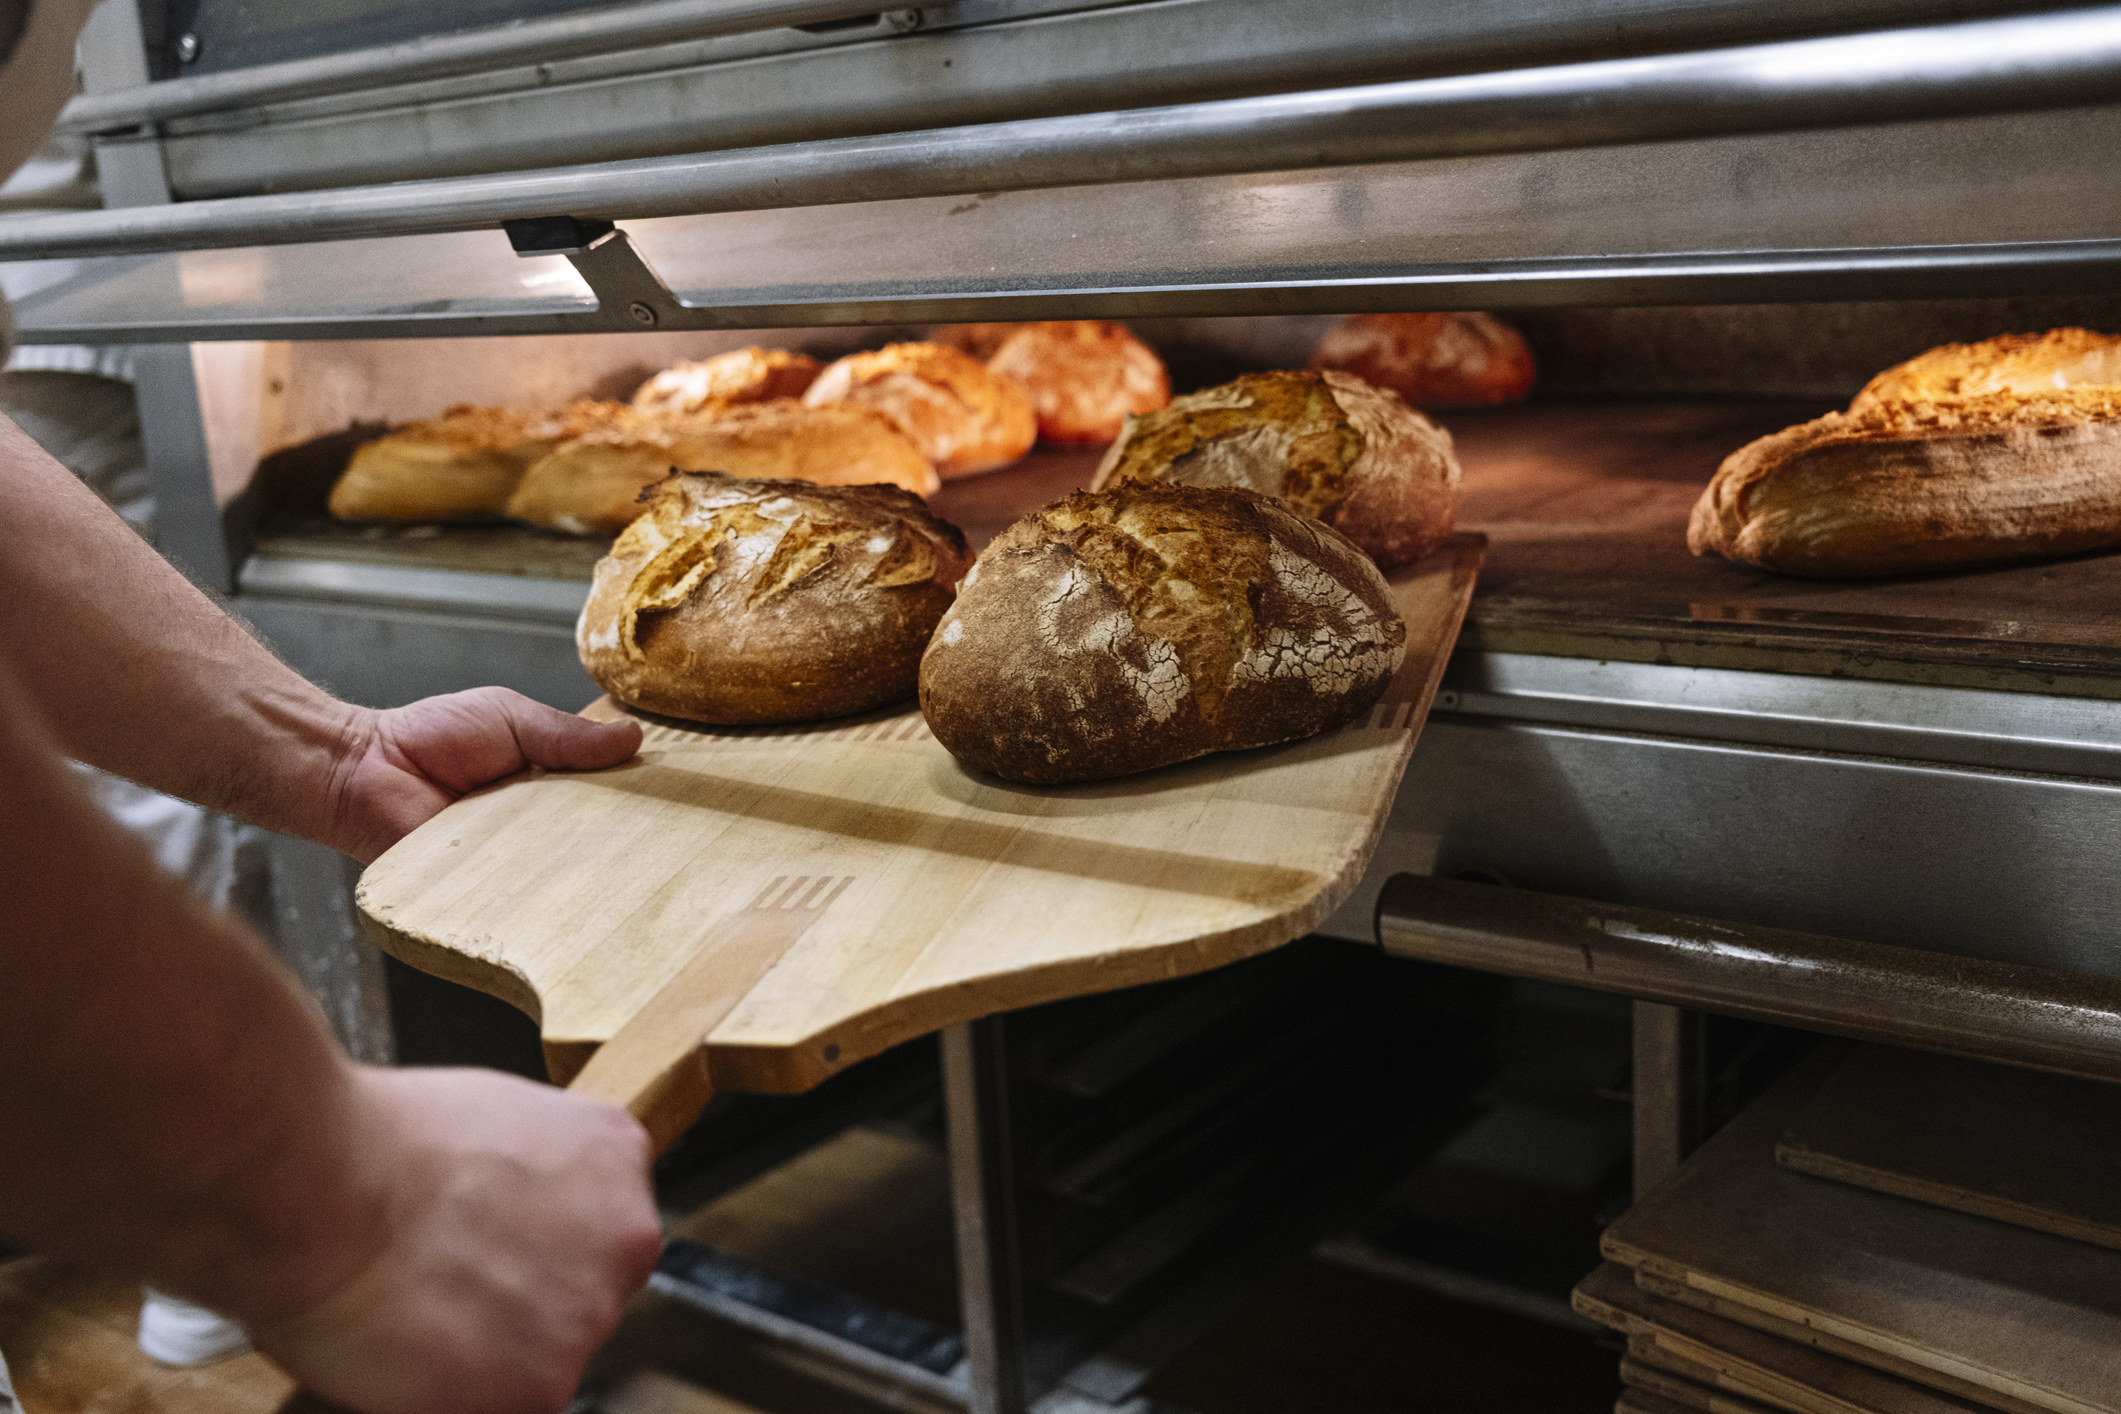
(962, 417)
(2025, 364)
(1086, 376)
(593, 483)
(1123, 630)
(1457, 359)
(748, 375)
(463, 465)
(734, 600)
(1908, 487)
(1332, 446)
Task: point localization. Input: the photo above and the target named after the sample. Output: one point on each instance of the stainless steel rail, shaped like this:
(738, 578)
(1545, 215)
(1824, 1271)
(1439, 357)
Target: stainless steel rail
(2029, 62)
(601, 31)
(2027, 1016)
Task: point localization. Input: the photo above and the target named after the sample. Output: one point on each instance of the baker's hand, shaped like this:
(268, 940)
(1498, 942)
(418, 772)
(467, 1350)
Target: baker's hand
(520, 1220)
(404, 764)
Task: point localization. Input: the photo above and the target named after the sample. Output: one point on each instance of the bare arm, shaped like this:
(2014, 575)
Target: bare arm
(141, 674)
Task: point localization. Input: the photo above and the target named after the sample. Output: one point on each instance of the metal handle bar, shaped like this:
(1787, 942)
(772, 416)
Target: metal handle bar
(2026, 62)
(603, 31)
(2029, 1016)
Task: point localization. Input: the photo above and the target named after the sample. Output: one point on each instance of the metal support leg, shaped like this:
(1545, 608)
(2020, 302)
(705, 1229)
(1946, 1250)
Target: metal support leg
(315, 934)
(1670, 1077)
(982, 1194)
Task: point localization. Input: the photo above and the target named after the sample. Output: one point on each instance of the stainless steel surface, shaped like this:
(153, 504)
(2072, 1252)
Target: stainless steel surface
(2012, 731)
(1670, 1071)
(970, 61)
(529, 42)
(1975, 205)
(346, 584)
(983, 1203)
(188, 526)
(2026, 62)
(315, 934)
(2004, 1012)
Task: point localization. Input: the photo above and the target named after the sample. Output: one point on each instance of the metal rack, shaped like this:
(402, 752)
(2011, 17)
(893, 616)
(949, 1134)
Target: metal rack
(692, 164)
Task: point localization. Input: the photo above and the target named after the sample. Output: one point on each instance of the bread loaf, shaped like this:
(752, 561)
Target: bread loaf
(463, 465)
(2025, 364)
(1332, 446)
(733, 600)
(1908, 487)
(1123, 630)
(593, 483)
(749, 375)
(1432, 360)
(963, 418)
(1086, 376)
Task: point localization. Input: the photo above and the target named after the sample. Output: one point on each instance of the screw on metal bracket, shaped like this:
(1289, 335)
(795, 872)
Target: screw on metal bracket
(904, 21)
(642, 314)
(188, 47)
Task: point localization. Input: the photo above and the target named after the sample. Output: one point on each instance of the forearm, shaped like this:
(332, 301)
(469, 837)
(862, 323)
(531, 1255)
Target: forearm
(141, 674)
(172, 1105)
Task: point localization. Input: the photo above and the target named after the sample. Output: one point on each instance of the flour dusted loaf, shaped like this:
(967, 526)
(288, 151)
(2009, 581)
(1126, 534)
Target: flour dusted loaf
(1332, 446)
(2025, 364)
(748, 375)
(963, 418)
(734, 600)
(1086, 376)
(1123, 630)
(592, 484)
(463, 465)
(1907, 487)
(1457, 359)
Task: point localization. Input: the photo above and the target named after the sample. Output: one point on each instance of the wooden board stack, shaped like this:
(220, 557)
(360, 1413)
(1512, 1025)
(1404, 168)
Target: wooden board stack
(1745, 1284)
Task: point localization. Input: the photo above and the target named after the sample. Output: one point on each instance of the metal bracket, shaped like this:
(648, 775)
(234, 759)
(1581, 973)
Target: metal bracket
(629, 292)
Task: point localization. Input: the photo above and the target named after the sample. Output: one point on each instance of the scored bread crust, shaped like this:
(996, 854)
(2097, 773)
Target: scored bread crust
(1086, 376)
(1458, 359)
(593, 483)
(746, 375)
(1332, 446)
(735, 600)
(463, 465)
(1119, 631)
(2025, 364)
(963, 418)
(1908, 487)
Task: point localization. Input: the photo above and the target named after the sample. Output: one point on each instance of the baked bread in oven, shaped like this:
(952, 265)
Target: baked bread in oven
(963, 418)
(1904, 487)
(733, 600)
(463, 465)
(1456, 359)
(1333, 447)
(2025, 364)
(593, 484)
(1086, 376)
(747, 375)
(1122, 630)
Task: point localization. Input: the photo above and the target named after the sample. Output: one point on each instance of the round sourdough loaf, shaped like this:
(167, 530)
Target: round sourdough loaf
(746, 375)
(2025, 364)
(734, 601)
(1123, 630)
(1458, 359)
(1917, 487)
(1086, 376)
(1332, 446)
(962, 417)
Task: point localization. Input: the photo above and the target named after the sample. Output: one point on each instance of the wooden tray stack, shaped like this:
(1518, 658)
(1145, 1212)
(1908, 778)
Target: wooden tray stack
(1883, 1233)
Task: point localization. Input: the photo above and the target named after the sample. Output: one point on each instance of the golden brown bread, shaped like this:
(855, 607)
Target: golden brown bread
(463, 465)
(593, 483)
(1332, 446)
(1456, 359)
(1086, 376)
(963, 418)
(1908, 487)
(1123, 630)
(734, 600)
(748, 375)
(2025, 364)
